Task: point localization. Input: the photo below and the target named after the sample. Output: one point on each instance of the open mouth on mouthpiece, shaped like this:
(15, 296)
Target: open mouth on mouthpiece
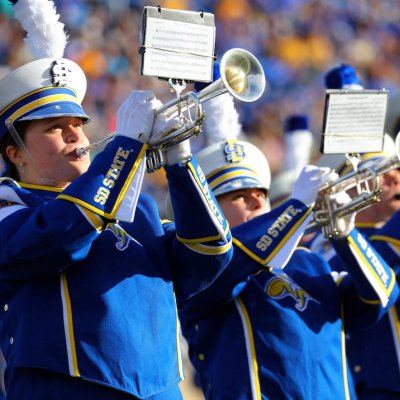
(80, 152)
(77, 153)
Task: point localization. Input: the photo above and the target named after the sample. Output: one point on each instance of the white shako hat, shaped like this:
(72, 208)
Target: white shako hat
(231, 165)
(234, 164)
(43, 88)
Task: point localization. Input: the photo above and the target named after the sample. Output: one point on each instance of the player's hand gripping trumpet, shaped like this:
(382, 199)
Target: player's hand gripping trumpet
(328, 212)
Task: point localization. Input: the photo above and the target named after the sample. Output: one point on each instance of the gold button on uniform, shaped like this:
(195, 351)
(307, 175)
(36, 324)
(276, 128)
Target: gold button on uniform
(357, 369)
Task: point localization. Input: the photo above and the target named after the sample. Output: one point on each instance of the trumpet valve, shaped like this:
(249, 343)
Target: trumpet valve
(236, 78)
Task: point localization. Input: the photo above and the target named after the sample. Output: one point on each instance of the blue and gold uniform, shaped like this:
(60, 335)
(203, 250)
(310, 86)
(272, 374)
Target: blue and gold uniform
(263, 333)
(85, 295)
(373, 353)
(376, 351)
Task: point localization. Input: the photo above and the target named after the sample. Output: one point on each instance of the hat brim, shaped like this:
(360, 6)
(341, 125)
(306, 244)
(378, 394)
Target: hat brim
(56, 110)
(238, 184)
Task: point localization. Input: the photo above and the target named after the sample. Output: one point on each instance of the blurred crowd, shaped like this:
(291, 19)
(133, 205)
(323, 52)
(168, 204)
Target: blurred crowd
(296, 41)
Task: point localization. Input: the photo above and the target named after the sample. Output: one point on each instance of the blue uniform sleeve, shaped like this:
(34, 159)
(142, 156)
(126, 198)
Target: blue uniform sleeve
(387, 241)
(200, 223)
(374, 280)
(201, 239)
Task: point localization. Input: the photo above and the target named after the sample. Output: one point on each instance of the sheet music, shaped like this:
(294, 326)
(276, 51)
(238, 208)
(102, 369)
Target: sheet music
(178, 49)
(355, 122)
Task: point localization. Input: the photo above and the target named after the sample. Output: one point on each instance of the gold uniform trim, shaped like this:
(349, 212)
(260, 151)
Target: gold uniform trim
(344, 357)
(209, 250)
(69, 328)
(251, 350)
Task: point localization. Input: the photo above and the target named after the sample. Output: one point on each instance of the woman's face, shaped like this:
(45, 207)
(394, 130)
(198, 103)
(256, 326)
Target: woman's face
(52, 143)
(243, 205)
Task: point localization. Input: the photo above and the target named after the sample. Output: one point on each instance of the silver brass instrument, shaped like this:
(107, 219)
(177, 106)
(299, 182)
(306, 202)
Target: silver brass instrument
(241, 75)
(368, 186)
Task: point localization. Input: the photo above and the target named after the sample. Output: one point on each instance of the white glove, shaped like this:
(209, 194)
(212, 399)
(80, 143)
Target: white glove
(178, 153)
(162, 127)
(309, 182)
(345, 224)
(135, 116)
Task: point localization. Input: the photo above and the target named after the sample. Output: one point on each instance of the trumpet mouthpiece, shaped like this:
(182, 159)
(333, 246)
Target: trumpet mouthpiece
(236, 78)
(81, 152)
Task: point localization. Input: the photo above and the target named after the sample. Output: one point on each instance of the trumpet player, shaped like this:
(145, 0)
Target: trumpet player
(89, 274)
(271, 327)
(372, 349)
(373, 353)
(378, 382)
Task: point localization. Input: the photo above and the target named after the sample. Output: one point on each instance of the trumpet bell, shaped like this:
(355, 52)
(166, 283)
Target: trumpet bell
(236, 79)
(242, 75)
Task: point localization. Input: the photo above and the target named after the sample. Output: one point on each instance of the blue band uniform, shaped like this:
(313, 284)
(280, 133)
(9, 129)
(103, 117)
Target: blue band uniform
(71, 242)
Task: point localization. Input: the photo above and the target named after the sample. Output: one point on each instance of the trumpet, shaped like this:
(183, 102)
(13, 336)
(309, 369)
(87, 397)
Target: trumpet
(241, 75)
(366, 180)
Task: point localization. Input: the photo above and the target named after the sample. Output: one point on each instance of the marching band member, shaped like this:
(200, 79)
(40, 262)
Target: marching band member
(380, 345)
(373, 353)
(378, 356)
(89, 275)
(272, 326)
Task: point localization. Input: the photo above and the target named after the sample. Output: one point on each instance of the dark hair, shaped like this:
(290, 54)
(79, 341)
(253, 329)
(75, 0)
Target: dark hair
(10, 169)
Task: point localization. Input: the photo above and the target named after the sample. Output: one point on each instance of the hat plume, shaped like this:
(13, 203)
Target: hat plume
(45, 34)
